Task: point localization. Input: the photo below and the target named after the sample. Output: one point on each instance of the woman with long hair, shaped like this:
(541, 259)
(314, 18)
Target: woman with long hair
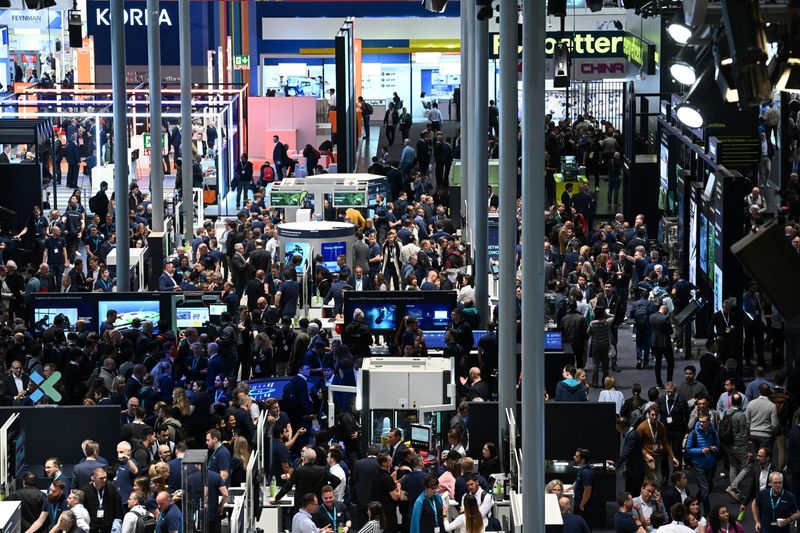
(634, 403)
(490, 461)
(263, 361)
(470, 521)
(427, 516)
(377, 520)
(447, 481)
(239, 459)
(695, 518)
(180, 402)
(721, 521)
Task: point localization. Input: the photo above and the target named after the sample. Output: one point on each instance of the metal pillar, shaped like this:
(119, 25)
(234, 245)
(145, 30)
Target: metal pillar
(533, 72)
(480, 171)
(466, 114)
(507, 335)
(121, 215)
(154, 75)
(184, 22)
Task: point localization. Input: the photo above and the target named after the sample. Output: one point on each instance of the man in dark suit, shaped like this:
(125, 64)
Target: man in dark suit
(300, 413)
(102, 501)
(725, 328)
(661, 343)
(585, 203)
(259, 258)
(254, 289)
(175, 138)
(677, 492)
(278, 157)
(361, 476)
(243, 174)
(494, 200)
(308, 477)
(240, 270)
(4, 154)
(361, 281)
(632, 458)
(15, 384)
(396, 446)
(566, 197)
(674, 413)
(166, 282)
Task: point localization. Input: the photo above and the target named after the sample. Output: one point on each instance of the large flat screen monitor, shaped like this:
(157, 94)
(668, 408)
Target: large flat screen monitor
(297, 248)
(191, 317)
(330, 251)
(553, 341)
(434, 340)
(128, 311)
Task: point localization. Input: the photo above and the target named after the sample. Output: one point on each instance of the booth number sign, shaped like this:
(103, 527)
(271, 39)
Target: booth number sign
(241, 62)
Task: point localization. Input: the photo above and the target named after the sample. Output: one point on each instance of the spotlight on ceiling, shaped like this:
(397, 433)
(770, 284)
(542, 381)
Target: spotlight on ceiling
(678, 30)
(748, 44)
(689, 112)
(687, 64)
(723, 68)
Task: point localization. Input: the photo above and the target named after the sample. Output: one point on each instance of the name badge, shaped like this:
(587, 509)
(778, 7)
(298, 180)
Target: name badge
(436, 530)
(669, 420)
(100, 513)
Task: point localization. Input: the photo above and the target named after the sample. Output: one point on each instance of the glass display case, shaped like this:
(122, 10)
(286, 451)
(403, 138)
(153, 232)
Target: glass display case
(194, 475)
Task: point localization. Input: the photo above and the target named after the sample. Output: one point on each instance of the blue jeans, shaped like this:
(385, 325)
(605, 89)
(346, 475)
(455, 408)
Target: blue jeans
(642, 345)
(613, 191)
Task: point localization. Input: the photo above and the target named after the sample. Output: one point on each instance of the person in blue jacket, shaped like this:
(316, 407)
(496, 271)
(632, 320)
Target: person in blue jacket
(702, 445)
(570, 389)
(428, 513)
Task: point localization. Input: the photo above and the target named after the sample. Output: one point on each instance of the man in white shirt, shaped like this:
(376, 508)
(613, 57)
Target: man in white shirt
(485, 501)
(75, 504)
(334, 458)
(135, 503)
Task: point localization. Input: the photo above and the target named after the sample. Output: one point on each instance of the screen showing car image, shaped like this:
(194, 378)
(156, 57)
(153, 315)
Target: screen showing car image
(191, 317)
(330, 251)
(144, 310)
(378, 316)
(430, 316)
(45, 313)
(297, 248)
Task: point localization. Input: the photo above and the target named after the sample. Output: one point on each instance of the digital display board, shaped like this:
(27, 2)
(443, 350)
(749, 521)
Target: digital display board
(330, 251)
(349, 199)
(287, 199)
(292, 249)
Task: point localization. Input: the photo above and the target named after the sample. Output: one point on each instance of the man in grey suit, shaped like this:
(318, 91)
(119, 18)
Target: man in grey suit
(360, 253)
(661, 343)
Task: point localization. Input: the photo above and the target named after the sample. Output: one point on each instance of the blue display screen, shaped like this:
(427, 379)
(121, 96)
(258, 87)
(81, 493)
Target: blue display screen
(297, 248)
(377, 316)
(434, 339)
(553, 341)
(330, 251)
(430, 316)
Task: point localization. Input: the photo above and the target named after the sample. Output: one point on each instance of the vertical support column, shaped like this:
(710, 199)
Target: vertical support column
(121, 215)
(480, 171)
(465, 114)
(154, 75)
(533, 72)
(184, 21)
(508, 221)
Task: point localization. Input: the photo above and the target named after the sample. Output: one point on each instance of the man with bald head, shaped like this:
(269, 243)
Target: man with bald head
(170, 517)
(572, 523)
(475, 386)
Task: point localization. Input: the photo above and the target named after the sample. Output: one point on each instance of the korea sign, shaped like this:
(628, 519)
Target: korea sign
(241, 62)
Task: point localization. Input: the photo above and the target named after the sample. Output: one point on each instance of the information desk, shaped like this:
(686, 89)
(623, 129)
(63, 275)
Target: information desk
(561, 182)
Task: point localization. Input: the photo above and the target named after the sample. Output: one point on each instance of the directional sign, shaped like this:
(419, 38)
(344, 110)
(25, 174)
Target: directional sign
(241, 62)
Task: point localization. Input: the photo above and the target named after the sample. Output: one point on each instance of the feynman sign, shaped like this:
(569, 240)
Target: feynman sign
(133, 17)
(582, 44)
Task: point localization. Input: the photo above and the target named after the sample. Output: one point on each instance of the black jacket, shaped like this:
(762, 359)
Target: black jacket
(631, 455)
(112, 505)
(31, 499)
(361, 477)
(10, 388)
(305, 479)
(660, 331)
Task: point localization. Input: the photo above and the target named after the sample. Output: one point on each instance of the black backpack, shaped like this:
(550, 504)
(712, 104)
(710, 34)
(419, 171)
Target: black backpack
(367, 109)
(726, 428)
(145, 523)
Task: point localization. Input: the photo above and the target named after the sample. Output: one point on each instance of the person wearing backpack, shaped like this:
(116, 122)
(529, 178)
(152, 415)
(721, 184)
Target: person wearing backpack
(366, 114)
(702, 446)
(138, 519)
(640, 313)
(734, 434)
